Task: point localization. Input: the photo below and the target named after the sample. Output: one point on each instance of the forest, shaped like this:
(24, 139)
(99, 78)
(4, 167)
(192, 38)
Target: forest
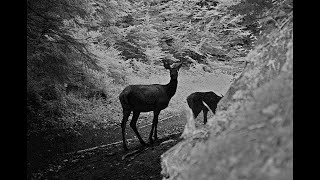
(81, 54)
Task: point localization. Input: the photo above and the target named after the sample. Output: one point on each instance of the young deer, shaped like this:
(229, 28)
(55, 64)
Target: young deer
(202, 101)
(145, 98)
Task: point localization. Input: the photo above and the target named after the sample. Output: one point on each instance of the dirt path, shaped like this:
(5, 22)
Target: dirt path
(108, 162)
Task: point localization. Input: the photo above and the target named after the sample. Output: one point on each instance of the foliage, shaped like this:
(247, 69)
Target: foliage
(276, 17)
(57, 58)
(218, 30)
(52, 52)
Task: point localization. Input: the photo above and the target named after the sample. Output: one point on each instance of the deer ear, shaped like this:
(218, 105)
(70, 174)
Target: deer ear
(166, 64)
(178, 66)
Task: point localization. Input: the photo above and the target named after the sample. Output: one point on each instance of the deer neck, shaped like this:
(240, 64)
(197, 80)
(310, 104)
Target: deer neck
(172, 87)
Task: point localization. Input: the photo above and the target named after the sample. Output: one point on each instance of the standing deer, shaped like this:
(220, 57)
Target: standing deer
(145, 98)
(202, 101)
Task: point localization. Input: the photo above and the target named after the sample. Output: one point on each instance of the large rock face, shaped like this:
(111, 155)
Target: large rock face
(251, 136)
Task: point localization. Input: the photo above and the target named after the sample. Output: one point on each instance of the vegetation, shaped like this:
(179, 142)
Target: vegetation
(82, 53)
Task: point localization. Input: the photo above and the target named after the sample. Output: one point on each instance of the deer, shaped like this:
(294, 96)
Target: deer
(203, 101)
(145, 98)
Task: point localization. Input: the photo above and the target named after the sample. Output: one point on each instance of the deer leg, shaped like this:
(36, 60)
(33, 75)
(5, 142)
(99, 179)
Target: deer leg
(205, 113)
(154, 126)
(126, 114)
(133, 125)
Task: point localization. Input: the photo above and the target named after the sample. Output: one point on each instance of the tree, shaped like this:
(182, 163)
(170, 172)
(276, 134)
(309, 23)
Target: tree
(55, 56)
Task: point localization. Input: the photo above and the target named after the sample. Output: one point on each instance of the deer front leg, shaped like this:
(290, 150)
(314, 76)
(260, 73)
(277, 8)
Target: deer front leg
(205, 113)
(154, 126)
(126, 114)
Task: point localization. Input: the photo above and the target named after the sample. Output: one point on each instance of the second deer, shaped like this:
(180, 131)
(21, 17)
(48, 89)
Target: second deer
(145, 98)
(202, 101)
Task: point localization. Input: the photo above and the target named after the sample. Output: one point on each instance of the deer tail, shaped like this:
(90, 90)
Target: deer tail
(124, 98)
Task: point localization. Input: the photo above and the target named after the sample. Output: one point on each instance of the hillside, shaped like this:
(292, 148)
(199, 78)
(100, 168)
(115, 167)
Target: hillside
(251, 136)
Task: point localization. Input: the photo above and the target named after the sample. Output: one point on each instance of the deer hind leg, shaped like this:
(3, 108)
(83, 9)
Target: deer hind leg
(126, 114)
(154, 126)
(133, 125)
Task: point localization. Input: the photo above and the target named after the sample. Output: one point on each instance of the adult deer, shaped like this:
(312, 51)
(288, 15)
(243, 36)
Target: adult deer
(202, 101)
(145, 98)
